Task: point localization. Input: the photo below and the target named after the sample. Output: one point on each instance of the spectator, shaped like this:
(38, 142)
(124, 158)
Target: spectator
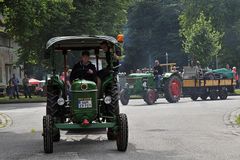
(15, 82)
(26, 86)
(234, 70)
(10, 89)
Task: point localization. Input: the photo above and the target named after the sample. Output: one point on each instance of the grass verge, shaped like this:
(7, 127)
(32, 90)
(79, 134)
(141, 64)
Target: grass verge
(238, 120)
(22, 99)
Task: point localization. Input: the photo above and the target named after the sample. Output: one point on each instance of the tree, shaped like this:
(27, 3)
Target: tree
(151, 31)
(202, 41)
(225, 17)
(31, 23)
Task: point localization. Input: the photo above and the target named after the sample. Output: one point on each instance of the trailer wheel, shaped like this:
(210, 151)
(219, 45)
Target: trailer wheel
(150, 97)
(124, 97)
(122, 133)
(194, 97)
(173, 89)
(213, 95)
(204, 96)
(48, 134)
(223, 94)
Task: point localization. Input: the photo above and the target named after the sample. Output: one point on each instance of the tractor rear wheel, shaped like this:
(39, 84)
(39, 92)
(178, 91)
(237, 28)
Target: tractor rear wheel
(122, 133)
(173, 89)
(113, 107)
(194, 97)
(223, 94)
(52, 97)
(48, 134)
(213, 95)
(110, 134)
(124, 97)
(150, 96)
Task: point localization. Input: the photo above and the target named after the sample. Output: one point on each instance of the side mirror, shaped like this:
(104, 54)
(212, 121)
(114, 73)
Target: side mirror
(120, 38)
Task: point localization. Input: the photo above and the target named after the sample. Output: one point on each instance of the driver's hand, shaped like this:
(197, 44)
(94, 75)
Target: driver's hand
(90, 71)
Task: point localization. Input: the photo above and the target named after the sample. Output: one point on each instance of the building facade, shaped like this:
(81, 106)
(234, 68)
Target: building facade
(8, 58)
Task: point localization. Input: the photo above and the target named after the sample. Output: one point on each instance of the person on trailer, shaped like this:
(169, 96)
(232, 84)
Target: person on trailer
(84, 69)
(157, 71)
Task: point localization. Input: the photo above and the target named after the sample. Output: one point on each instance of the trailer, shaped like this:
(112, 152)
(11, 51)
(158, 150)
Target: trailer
(196, 84)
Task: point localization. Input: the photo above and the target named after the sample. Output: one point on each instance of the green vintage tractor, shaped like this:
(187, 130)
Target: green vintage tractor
(143, 84)
(84, 107)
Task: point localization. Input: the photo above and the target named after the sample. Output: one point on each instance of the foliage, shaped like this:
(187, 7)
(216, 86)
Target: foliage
(31, 23)
(201, 40)
(225, 18)
(151, 31)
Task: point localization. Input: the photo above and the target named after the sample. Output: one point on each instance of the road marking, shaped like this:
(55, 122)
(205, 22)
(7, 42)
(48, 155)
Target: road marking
(5, 120)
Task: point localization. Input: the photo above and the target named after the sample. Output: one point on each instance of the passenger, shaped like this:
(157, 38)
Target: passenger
(117, 56)
(157, 71)
(228, 67)
(234, 70)
(84, 69)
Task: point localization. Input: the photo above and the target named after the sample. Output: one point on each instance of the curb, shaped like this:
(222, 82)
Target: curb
(230, 121)
(5, 120)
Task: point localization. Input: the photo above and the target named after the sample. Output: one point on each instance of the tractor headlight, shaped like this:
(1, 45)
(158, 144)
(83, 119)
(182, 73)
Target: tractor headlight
(108, 99)
(60, 101)
(144, 84)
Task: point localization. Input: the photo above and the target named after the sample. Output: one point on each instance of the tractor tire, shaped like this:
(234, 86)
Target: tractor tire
(48, 134)
(52, 97)
(124, 97)
(150, 96)
(213, 95)
(204, 96)
(223, 94)
(113, 107)
(194, 97)
(56, 135)
(173, 89)
(122, 133)
(110, 134)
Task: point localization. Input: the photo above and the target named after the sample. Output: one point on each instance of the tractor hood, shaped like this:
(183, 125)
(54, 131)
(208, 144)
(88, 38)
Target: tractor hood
(76, 42)
(83, 86)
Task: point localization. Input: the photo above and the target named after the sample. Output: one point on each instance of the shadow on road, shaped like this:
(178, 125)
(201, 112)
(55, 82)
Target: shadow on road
(30, 146)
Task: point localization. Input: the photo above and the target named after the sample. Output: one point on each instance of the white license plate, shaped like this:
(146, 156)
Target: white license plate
(85, 103)
(131, 86)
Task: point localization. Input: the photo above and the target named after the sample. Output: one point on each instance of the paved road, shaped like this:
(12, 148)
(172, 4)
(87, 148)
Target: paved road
(200, 130)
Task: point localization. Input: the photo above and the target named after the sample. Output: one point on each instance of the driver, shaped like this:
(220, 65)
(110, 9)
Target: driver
(84, 69)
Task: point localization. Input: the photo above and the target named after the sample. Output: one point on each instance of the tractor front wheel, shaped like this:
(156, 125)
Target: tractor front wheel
(124, 97)
(173, 89)
(122, 133)
(150, 96)
(48, 134)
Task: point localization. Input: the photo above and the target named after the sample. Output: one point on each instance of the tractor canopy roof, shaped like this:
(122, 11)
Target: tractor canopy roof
(78, 42)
